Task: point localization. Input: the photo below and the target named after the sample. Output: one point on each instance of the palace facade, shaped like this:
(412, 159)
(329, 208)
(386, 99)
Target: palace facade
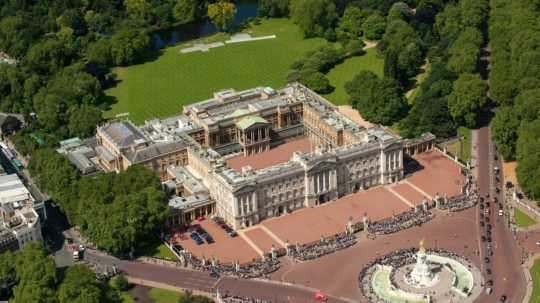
(254, 154)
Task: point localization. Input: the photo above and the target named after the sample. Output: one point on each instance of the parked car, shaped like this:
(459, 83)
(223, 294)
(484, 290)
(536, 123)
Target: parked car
(196, 238)
(178, 248)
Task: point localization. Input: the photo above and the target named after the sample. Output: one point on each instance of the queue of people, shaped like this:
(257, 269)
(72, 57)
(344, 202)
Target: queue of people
(226, 298)
(411, 218)
(255, 269)
(323, 247)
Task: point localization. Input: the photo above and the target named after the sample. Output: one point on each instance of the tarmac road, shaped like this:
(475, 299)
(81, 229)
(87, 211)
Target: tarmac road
(505, 263)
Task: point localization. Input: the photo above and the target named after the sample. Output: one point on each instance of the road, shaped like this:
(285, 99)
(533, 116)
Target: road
(505, 263)
(202, 281)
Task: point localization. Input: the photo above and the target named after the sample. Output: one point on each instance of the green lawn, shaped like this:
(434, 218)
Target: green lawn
(157, 250)
(522, 219)
(163, 296)
(159, 88)
(345, 71)
(126, 298)
(535, 274)
(461, 148)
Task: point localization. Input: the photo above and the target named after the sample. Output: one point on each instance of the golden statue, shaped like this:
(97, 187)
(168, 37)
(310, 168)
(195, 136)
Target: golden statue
(421, 244)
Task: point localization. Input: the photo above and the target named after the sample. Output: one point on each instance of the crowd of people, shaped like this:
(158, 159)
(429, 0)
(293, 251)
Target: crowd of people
(323, 247)
(413, 217)
(226, 298)
(459, 203)
(255, 269)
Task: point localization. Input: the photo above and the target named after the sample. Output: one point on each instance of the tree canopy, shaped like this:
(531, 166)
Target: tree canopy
(378, 100)
(222, 14)
(468, 97)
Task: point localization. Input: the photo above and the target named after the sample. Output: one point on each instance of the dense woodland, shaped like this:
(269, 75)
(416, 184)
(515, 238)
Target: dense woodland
(515, 86)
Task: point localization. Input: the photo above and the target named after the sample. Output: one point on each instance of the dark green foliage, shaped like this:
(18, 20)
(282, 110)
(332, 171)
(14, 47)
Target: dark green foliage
(528, 157)
(314, 17)
(117, 212)
(8, 276)
(430, 111)
(311, 69)
(467, 99)
(273, 8)
(36, 276)
(374, 26)
(504, 129)
(80, 286)
(120, 282)
(403, 50)
(350, 24)
(378, 100)
(514, 81)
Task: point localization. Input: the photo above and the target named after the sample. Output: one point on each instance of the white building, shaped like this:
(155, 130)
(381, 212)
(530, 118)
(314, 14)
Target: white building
(18, 217)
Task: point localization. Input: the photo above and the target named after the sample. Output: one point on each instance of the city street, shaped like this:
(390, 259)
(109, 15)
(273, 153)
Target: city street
(507, 274)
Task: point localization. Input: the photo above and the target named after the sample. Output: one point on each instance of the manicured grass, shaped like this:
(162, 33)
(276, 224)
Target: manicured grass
(157, 250)
(522, 219)
(346, 71)
(126, 298)
(461, 148)
(535, 274)
(161, 87)
(163, 295)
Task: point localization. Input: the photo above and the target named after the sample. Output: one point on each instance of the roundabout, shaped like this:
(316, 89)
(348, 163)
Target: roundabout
(420, 276)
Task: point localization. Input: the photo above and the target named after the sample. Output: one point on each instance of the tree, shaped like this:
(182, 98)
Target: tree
(467, 98)
(378, 100)
(400, 10)
(79, 286)
(222, 14)
(474, 12)
(409, 61)
(83, 120)
(317, 81)
(137, 9)
(350, 24)
(120, 282)
(465, 51)
(527, 105)
(374, 26)
(274, 8)
(128, 45)
(185, 11)
(464, 58)
(504, 129)
(36, 275)
(7, 273)
(528, 158)
(314, 17)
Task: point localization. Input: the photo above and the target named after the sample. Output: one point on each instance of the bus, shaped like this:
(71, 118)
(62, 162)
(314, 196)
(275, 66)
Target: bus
(8, 153)
(17, 164)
